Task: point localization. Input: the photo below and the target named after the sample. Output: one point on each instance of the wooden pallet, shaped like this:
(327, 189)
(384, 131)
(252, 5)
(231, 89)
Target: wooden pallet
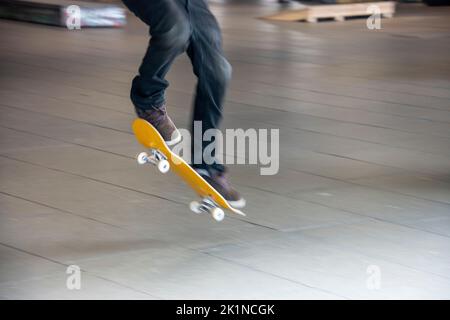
(338, 12)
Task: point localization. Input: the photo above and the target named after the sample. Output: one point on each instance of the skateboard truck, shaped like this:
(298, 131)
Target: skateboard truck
(208, 205)
(156, 158)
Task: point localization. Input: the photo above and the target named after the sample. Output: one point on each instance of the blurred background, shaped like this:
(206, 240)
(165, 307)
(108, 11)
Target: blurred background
(360, 208)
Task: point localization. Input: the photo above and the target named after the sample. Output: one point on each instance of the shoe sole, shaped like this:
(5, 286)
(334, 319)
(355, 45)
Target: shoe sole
(175, 140)
(237, 204)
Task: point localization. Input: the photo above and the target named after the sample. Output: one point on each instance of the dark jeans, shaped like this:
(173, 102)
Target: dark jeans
(178, 26)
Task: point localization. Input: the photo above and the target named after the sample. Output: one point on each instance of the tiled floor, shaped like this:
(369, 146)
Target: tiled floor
(364, 181)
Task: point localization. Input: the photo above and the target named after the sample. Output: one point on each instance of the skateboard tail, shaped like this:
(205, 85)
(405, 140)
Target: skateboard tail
(239, 212)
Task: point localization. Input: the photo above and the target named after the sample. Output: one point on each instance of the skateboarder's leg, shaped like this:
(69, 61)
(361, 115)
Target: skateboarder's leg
(170, 32)
(211, 68)
(213, 72)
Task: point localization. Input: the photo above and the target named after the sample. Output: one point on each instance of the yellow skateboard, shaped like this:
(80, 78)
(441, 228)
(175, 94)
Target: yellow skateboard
(161, 156)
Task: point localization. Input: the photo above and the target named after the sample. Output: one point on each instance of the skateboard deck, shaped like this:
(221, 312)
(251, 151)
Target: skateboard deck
(149, 137)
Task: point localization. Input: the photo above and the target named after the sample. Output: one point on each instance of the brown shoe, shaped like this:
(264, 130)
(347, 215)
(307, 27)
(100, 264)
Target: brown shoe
(162, 122)
(219, 181)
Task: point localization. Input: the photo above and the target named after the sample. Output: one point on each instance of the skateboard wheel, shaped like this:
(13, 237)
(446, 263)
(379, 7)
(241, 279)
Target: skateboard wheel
(163, 166)
(217, 214)
(195, 207)
(142, 158)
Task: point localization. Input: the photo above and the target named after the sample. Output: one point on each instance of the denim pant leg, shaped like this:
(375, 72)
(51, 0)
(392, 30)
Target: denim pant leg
(170, 32)
(212, 70)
